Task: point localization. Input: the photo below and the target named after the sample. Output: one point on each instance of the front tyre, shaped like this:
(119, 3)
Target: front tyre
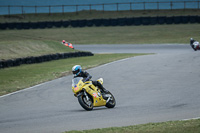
(111, 103)
(86, 104)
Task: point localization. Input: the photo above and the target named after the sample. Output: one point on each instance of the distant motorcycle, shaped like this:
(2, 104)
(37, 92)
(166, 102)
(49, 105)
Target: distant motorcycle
(194, 44)
(90, 96)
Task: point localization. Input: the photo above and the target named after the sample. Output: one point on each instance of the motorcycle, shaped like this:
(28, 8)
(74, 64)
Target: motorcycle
(194, 44)
(90, 96)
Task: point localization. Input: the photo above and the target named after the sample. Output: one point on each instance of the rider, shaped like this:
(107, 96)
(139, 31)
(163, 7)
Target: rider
(65, 43)
(77, 71)
(194, 44)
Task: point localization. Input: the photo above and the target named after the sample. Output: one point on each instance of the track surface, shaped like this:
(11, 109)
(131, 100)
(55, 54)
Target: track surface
(151, 88)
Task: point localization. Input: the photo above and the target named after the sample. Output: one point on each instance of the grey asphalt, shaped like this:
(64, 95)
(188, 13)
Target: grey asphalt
(151, 88)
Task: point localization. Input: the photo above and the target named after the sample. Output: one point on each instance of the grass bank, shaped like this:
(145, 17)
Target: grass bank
(39, 38)
(19, 47)
(189, 126)
(17, 78)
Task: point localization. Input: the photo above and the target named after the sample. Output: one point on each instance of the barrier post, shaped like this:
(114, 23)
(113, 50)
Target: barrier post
(144, 6)
(117, 6)
(90, 8)
(49, 10)
(22, 10)
(130, 7)
(9, 10)
(157, 5)
(35, 10)
(184, 5)
(62, 9)
(171, 4)
(76, 9)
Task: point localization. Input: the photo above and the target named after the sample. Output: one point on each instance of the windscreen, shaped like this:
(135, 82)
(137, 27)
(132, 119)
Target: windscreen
(76, 80)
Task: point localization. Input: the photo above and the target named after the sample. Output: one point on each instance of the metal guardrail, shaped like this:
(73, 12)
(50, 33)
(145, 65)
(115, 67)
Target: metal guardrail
(101, 7)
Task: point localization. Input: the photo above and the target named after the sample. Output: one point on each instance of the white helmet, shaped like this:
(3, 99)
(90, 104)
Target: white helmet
(76, 70)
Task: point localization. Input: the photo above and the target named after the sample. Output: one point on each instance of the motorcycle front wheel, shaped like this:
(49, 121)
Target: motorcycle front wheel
(86, 104)
(111, 103)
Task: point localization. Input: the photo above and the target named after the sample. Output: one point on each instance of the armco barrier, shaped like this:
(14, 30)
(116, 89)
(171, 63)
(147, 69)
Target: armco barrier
(113, 22)
(146, 20)
(97, 22)
(39, 59)
(82, 23)
(137, 21)
(170, 20)
(129, 21)
(42, 25)
(90, 23)
(177, 20)
(193, 19)
(49, 24)
(75, 23)
(34, 25)
(3, 26)
(185, 19)
(11, 25)
(58, 24)
(153, 20)
(122, 21)
(27, 25)
(65, 23)
(162, 20)
(19, 26)
(104, 22)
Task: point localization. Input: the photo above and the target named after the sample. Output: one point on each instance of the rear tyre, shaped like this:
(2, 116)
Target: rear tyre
(111, 103)
(86, 104)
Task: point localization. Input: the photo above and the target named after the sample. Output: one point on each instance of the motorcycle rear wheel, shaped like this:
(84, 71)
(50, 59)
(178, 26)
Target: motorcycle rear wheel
(86, 104)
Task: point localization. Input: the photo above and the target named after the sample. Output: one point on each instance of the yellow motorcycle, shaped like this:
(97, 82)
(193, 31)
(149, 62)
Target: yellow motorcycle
(90, 96)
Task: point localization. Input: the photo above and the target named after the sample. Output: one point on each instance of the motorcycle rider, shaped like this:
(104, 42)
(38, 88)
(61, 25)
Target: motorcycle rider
(77, 72)
(194, 44)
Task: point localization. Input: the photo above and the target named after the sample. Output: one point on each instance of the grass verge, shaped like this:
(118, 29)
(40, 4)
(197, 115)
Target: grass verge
(19, 48)
(189, 126)
(17, 78)
(152, 34)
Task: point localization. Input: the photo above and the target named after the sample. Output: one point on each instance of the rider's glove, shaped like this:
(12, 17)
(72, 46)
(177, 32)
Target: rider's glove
(87, 79)
(84, 80)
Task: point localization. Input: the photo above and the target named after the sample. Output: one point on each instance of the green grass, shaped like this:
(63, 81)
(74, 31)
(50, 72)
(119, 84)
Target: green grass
(95, 15)
(17, 78)
(39, 38)
(189, 126)
(18, 48)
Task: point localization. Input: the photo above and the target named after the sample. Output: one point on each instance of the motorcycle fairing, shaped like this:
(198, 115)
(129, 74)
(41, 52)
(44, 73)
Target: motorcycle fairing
(78, 85)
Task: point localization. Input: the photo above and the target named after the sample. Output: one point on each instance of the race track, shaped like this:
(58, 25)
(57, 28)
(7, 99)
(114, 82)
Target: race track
(152, 88)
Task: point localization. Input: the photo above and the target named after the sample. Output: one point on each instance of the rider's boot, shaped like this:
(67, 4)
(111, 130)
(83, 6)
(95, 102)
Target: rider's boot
(103, 89)
(96, 83)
